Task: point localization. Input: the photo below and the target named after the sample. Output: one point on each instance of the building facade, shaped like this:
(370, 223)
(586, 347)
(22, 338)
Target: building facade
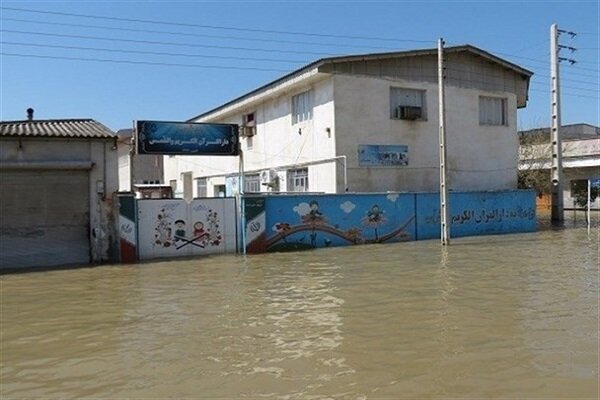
(145, 170)
(369, 123)
(57, 205)
(580, 157)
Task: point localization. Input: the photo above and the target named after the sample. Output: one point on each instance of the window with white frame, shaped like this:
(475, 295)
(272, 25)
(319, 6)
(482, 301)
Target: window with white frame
(252, 183)
(407, 104)
(492, 111)
(302, 107)
(201, 187)
(297, 180)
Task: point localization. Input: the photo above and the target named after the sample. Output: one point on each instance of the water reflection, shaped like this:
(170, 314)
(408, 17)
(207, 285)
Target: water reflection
(504, 316)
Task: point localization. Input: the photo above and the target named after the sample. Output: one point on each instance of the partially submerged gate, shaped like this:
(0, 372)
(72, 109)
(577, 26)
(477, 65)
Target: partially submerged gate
(176, 228)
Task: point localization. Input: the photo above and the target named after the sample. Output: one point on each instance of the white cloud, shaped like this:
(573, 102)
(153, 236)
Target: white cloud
(347, 206)
(302, 209)
(393, 197)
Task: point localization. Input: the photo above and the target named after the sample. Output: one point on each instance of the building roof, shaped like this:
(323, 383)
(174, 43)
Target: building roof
(567, 132)
(58, 128)
(369, 57)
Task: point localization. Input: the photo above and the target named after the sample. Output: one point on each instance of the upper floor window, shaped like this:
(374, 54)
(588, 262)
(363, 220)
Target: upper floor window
(302, 107)
(407, 104)
(492, 111)
(249, 129)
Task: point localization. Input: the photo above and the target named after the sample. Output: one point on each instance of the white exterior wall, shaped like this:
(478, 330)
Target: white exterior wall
(147, 167)
(277, 143)
(479, 157)
(124, 168)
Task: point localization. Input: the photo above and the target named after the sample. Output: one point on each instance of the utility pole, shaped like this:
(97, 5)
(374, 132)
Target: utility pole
(444, 227)
(558, 212)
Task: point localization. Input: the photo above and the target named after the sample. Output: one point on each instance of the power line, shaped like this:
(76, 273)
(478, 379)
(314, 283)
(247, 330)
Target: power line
(142, 62)
(187, 34)
(152, 42)
(191, 55)
(156, 22)
(131, 62)
(156, 53)
(567, 94)
(571, 87)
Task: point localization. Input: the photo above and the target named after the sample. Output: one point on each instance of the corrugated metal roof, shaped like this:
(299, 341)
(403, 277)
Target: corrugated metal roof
(62, 128)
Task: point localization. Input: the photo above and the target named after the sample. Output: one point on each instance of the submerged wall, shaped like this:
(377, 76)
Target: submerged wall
(278, 223)
(170, 228)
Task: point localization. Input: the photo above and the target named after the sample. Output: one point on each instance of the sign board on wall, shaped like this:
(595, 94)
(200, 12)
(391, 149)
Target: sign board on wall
(380, 155)
(183, 138)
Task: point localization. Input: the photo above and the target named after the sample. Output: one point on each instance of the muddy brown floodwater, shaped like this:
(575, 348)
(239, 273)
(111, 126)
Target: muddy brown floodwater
(509, 316)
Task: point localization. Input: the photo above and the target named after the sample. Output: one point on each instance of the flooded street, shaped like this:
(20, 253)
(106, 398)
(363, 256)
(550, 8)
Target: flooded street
(500, 316)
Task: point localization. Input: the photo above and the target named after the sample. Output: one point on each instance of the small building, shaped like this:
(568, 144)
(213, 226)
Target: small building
(580, 159)
(58, 179)
(369, 123)
(145, 170)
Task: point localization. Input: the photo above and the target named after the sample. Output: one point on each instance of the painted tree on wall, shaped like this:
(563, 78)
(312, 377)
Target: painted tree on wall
(374, 218)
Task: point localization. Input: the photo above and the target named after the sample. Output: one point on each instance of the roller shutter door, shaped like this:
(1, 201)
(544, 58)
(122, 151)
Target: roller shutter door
(44, 218)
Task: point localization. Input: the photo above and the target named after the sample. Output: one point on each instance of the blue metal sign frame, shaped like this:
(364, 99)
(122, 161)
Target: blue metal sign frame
(186, 138)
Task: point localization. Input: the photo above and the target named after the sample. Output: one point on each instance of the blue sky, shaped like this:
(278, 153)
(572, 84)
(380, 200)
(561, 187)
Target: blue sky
(246, 52)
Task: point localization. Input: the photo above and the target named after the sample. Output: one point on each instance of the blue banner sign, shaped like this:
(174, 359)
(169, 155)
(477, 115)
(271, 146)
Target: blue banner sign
(595, 182)
(184, 138)
(374, 155)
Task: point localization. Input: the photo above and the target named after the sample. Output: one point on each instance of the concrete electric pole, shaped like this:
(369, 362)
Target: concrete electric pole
(445, 228)
(556, 171)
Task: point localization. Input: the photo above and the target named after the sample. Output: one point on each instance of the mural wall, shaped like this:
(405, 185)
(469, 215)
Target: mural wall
(477, 213)
(127, 228)
(174, 228)
(280, 223)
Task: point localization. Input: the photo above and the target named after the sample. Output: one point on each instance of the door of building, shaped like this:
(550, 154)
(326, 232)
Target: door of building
(44, 218)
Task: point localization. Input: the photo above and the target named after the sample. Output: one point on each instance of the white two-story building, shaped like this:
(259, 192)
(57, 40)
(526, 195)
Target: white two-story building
(369, 123)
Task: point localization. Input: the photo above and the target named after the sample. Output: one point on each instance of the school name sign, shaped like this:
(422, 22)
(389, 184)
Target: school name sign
(185, 138)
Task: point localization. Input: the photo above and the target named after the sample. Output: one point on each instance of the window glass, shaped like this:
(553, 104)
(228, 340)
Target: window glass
(302, 107)
(492, 111)
(298, 180)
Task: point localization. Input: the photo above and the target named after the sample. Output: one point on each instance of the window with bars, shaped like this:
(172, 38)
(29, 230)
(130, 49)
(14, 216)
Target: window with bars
(252, 183)
(297, 180)
(302, 107)
(492, 111)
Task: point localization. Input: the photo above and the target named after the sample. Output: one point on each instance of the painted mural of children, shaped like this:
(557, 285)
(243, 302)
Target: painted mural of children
(179, 230)
(200, 235)
(314, 216)
(199, 229)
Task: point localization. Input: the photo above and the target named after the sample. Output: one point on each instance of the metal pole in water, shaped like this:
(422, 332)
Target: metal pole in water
(445, 229)
(556, 171)
(589, 206)
(242, 202)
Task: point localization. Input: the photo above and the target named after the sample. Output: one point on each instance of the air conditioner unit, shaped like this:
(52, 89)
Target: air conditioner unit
(248, 131)
(409, 112)
(270, 179)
